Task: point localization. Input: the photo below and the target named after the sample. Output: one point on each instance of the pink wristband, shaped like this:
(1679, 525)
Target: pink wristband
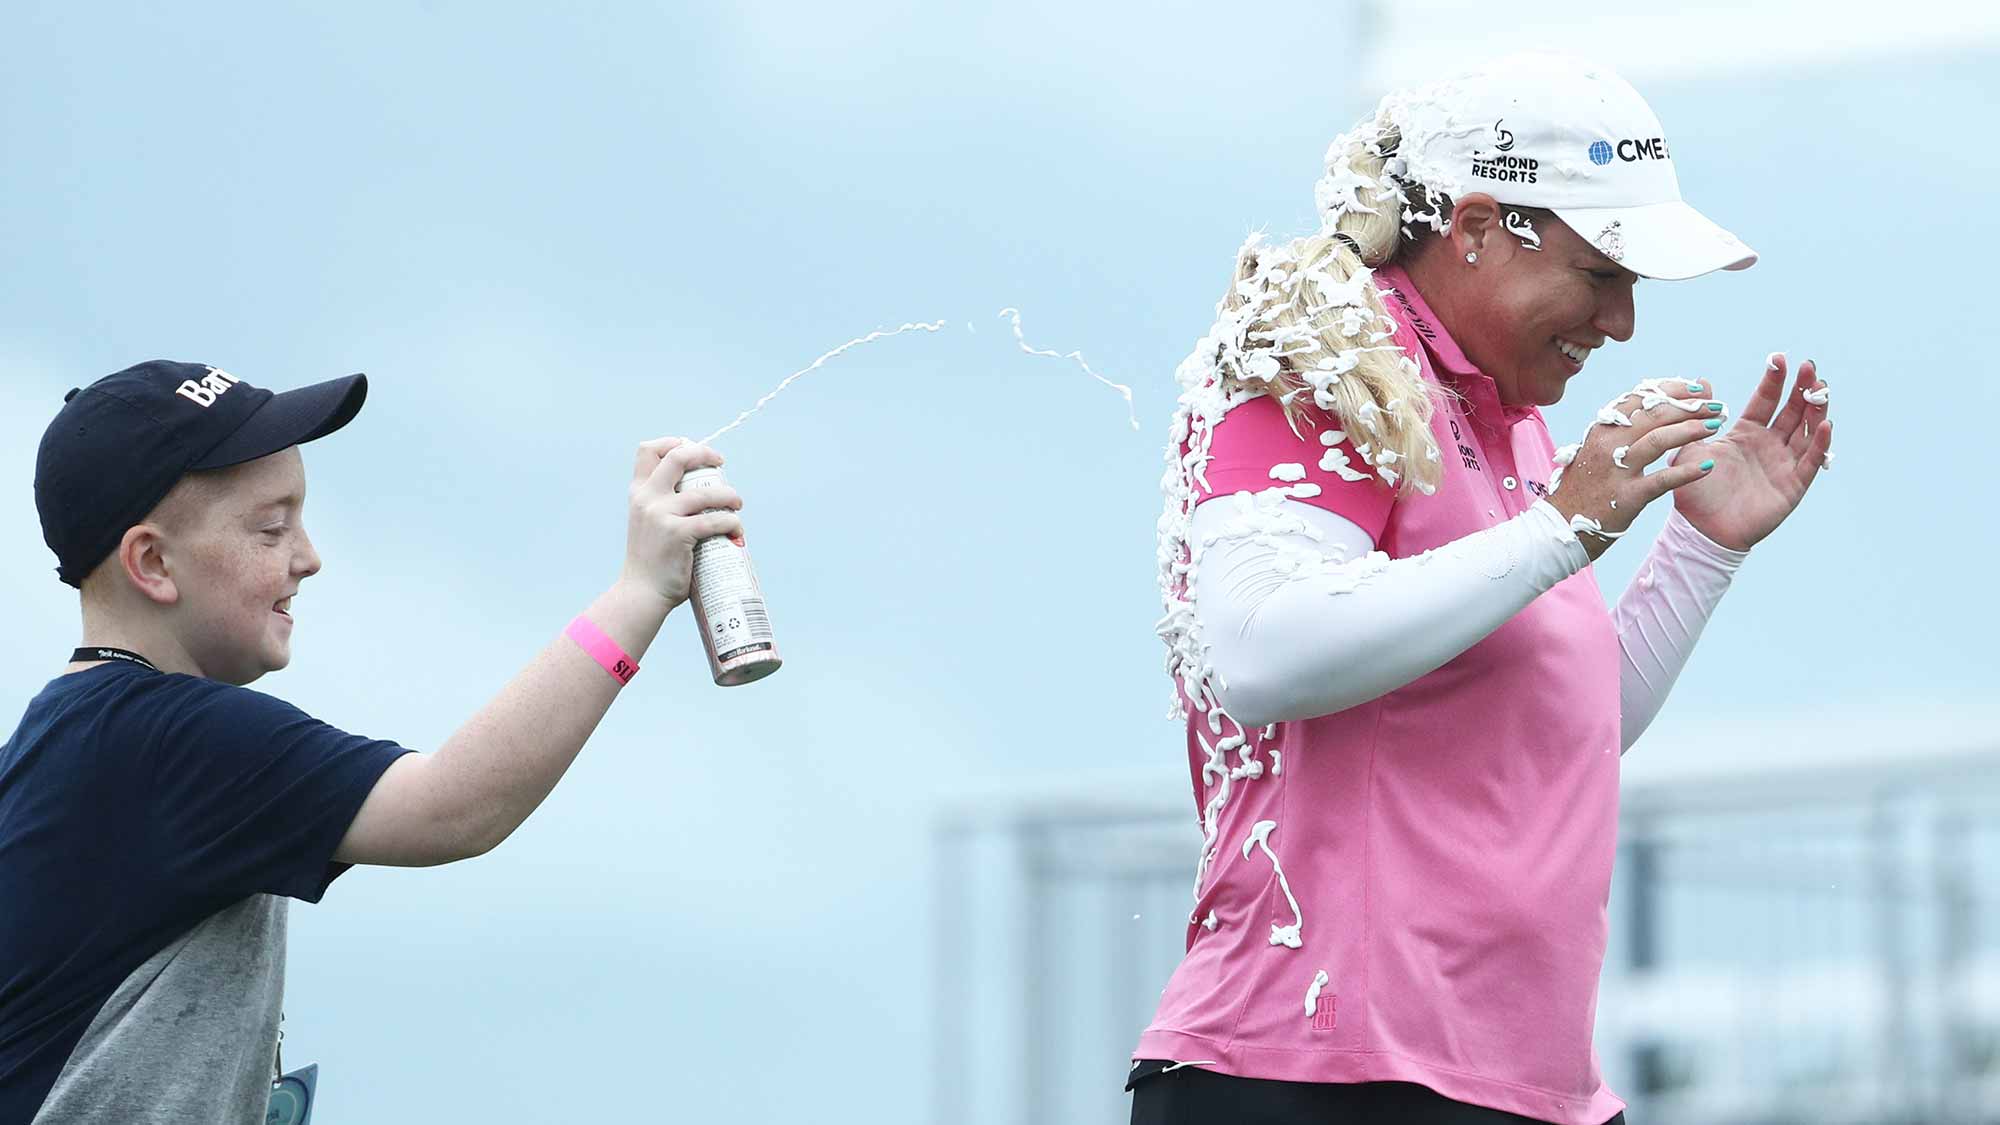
(602, 649)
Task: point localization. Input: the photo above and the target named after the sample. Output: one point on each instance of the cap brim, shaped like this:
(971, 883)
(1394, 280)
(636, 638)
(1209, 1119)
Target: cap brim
(1669, 241)
(290, 418)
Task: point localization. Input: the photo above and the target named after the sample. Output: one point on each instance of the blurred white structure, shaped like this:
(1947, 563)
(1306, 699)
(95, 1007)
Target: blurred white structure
(1429, 39)
(1805, 928)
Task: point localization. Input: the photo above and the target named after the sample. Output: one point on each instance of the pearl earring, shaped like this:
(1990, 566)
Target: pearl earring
(1471, 258)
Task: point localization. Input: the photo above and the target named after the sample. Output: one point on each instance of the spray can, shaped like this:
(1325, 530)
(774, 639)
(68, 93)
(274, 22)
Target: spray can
(728, 603)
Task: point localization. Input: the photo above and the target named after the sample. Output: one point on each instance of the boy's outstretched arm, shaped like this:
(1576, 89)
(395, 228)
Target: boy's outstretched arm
(497, 768)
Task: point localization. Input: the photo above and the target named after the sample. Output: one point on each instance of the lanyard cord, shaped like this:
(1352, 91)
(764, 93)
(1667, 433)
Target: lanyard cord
(94, 652)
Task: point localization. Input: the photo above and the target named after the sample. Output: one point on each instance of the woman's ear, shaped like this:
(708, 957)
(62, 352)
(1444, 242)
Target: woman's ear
(142, 556)
(1475, 227)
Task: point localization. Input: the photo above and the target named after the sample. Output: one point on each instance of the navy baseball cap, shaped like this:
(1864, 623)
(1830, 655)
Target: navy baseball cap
(120, 445)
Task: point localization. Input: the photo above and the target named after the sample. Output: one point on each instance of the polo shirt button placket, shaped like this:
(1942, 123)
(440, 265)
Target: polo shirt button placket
(1497, 455)
(1503, 464)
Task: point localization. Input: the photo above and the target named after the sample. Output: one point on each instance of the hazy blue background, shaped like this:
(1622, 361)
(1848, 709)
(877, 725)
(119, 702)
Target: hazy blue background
(547, 236)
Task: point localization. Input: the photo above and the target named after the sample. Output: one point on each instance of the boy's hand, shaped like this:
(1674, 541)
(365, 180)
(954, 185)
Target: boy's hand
(665, 524)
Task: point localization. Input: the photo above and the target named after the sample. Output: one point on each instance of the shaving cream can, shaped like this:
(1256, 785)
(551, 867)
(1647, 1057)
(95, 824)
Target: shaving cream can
(728, 602)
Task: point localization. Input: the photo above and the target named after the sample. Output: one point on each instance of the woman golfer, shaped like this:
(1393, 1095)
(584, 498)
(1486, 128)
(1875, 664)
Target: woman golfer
(1405, 699)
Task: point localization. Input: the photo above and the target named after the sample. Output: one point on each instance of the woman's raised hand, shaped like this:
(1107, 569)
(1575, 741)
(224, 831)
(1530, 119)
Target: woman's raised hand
(1601, 484)
(1765, 462)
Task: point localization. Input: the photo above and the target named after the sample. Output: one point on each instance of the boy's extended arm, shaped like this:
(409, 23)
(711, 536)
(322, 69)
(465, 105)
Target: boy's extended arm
(469, 795)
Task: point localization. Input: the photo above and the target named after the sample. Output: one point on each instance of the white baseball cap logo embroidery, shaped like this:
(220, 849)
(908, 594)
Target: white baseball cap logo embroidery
(208, 389)
(1611, 241)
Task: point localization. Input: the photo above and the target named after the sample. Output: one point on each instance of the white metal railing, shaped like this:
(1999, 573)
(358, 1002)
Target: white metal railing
(1796, 945)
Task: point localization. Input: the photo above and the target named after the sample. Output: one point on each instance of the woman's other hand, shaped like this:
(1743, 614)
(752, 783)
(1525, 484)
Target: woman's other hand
(1605, 486)
(1763, 465)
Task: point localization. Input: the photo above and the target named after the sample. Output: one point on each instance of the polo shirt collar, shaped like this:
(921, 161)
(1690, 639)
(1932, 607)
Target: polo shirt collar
(1447, 358)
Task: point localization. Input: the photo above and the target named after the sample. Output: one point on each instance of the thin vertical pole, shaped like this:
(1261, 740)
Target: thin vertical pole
(1955, 914)
(1886, 851)
(950, 1026)
(1031, 835)
(1642, 945)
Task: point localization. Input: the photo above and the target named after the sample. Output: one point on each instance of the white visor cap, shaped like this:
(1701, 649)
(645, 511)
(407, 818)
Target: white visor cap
(1551, 131)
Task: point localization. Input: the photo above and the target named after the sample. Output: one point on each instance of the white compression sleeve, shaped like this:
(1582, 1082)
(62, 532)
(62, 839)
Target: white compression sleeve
(1661, 615)
(1300, 616)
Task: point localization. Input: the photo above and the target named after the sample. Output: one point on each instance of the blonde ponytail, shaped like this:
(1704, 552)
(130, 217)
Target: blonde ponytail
(1303, 318)
(1314, 325)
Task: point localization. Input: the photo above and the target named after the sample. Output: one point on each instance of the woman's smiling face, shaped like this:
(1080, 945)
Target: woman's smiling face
(1530, 319)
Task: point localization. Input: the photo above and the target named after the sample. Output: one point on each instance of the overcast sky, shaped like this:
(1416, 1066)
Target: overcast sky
(547, 237)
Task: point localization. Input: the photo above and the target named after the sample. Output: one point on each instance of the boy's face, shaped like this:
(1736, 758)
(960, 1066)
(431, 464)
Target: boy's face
(237, 556)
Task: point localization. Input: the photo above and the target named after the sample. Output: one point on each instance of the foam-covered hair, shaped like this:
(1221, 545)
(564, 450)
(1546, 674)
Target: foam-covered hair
(1303, 322)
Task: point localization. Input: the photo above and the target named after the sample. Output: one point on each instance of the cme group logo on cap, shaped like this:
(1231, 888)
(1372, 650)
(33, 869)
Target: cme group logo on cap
(1629, 150)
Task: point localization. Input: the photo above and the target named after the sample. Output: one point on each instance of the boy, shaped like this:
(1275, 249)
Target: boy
(155, 814)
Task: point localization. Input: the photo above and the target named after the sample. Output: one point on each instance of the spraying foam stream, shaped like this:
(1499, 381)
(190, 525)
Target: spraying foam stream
(921, 326)
(1015, 315)
(814, 365)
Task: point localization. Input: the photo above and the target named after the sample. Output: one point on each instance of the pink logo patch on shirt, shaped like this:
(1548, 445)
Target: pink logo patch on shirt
(1323, 1018)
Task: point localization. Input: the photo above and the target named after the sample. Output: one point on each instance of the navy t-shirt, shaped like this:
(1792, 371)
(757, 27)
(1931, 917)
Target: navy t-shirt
(133, 805)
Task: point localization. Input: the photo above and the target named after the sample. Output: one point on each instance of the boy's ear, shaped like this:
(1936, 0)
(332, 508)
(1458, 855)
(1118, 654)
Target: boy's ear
(142, 556)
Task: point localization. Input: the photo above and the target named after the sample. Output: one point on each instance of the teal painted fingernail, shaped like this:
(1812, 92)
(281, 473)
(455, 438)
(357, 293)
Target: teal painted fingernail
(1707, 465)
(1694, 388)
(1713, 423)
(1715, 407)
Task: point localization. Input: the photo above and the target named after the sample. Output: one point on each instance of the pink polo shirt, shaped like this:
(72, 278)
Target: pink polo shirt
(1449, 844)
